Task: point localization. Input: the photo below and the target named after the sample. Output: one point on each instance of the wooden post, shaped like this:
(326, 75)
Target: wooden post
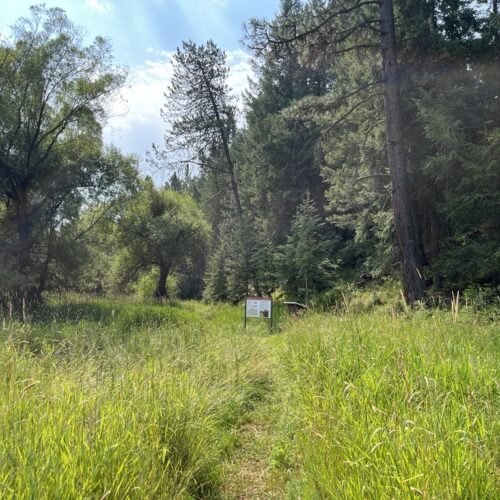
(271, 312)
(245, 314)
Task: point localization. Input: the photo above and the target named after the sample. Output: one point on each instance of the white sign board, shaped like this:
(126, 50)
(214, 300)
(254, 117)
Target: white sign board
(257, 307)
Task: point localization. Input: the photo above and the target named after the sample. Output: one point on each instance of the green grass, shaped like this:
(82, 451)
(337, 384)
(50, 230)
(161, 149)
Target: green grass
(383, 407)
(91, 408)
(117, 399)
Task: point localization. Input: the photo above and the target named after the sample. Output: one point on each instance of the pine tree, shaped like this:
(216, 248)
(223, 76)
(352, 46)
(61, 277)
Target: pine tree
(216, 276)
(199, 114)
(279, 155)
(240, 260)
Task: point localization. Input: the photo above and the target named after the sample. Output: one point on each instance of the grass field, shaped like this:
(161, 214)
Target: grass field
(116, 399)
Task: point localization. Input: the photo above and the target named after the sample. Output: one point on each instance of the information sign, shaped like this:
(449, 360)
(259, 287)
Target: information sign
(258, 307)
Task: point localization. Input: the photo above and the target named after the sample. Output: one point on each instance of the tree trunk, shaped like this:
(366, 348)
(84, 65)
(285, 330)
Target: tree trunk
(225, 144)
(161, 289)
(495, 7)
(42, 281)
(229, 160)
(27, 289)
(434, 251)
(234, 185)
(412, 282)
(23, 225)
(433, 24)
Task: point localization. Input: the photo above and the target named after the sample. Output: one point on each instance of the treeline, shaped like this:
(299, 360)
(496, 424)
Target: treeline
(368, 149)
(314, 177)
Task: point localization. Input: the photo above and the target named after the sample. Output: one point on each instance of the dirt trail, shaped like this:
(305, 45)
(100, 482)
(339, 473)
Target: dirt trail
(251, 474)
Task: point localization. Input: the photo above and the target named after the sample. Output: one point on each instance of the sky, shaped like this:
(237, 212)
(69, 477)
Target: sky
(144, 33)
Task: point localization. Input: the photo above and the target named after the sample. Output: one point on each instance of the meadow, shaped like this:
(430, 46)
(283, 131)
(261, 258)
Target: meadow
(117, 399)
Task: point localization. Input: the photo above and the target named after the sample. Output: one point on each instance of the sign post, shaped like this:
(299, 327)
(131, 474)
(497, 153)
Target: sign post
(259, 307)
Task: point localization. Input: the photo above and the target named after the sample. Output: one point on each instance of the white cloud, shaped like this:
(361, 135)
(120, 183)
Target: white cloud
(240, 65)
(136, 122)
(100, 6)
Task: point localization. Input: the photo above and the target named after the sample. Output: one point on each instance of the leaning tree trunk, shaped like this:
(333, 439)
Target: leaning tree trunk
(229, 161)
(161, 289)
(225, 144)
(412, 281)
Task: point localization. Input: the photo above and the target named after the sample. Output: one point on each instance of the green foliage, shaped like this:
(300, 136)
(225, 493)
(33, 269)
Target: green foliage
(304, 264)
(231, 270)
(52, 161)
(200, 116)
(243, 263)
(198, 104)
(240, 263)
(216, 276)
(264, 257)
(160, 228)
(462, 126)
(145, 287)
(480, 297)
(277, 153)
(314, 123)
(449, 54)
(96, 226)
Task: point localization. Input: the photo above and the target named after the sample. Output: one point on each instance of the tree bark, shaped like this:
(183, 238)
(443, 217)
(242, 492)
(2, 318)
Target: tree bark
(225, 144)
(412, 281)
(161, 289)
(434, 251)
(229, 161)
(27, 289)
(42, 281)
(22, 217)
(433, 17)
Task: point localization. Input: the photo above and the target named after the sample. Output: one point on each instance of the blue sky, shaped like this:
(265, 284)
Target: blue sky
(143, 34)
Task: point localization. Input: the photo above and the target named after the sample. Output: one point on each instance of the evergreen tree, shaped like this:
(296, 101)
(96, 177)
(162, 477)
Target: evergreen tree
(216, 276)
(278, 154)
(240, 264)
(264, 262)
(441, 45)
(200, 114)
(304, 261)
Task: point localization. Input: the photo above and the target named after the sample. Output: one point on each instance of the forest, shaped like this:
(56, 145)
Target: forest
(359, 176)
(297, 197)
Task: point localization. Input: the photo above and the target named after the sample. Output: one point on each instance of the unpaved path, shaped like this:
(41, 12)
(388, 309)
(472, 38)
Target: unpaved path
(251, 474)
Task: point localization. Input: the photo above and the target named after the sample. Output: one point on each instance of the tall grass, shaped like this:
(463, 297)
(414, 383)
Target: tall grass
(117, 399)
(402, 407)
(107, 400)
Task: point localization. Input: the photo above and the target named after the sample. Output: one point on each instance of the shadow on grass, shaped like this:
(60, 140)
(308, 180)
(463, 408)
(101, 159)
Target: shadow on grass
(105, 312)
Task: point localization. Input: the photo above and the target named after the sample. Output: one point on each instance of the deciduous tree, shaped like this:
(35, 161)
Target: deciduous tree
(161, 228)
(53, 90)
